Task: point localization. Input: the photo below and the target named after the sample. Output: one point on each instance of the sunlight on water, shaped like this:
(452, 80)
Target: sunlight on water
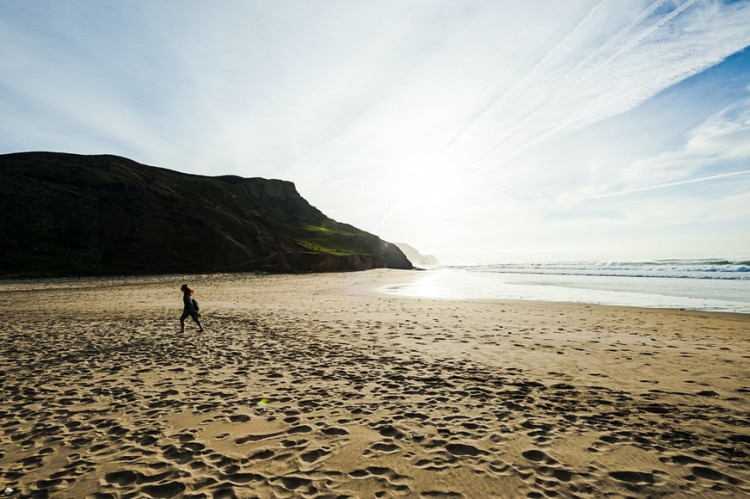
(681, 293)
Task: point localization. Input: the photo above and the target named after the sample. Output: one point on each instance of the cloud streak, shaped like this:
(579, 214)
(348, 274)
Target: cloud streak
(670, 184)
(582, 81)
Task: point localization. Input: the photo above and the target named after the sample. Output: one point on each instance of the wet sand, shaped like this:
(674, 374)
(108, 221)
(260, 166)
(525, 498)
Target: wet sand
(318, 386)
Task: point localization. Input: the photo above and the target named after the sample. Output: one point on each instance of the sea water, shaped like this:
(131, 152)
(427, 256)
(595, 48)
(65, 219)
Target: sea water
(710, 285)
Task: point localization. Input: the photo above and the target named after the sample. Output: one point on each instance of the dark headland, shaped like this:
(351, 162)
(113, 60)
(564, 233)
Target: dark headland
(75, 215)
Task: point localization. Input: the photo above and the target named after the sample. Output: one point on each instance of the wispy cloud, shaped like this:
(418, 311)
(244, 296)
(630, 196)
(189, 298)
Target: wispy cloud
(655, 187)
(717, 149)
(613, 60)
(724, 138)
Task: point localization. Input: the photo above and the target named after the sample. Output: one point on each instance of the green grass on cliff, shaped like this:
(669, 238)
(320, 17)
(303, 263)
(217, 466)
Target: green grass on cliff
(338, 240)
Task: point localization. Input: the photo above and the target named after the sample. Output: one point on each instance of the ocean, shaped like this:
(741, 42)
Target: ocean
(709, 284)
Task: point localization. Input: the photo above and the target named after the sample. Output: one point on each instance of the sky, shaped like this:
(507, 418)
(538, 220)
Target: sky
(477, 131)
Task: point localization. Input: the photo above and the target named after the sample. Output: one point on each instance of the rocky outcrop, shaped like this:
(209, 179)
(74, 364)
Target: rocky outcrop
(416, 257)
(66, 214)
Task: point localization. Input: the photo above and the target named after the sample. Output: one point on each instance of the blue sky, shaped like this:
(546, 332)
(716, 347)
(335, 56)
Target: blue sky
(477, 131)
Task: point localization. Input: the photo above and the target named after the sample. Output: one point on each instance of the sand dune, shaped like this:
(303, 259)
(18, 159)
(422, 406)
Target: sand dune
(317, 386)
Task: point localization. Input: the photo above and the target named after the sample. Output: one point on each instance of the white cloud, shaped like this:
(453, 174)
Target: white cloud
(613, 60)
(724, 138)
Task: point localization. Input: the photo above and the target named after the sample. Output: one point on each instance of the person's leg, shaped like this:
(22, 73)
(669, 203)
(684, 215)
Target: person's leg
(182, 322)
(198, 321)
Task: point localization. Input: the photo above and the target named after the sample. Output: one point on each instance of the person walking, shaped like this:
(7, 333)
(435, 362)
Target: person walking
(190, 308)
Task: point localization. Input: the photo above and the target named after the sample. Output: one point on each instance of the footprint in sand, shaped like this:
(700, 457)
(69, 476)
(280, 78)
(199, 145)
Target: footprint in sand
(262, 455)
(294, 483)
(385, 447)
(464, 450)
(633, 477)
(334, 431)
(314, 455)
(121, 478)
(501, 468)
(396, 483)
(538, 456)
(171, 489)
(299, 429)
(715, 476)
(242, 478)
(239, 418)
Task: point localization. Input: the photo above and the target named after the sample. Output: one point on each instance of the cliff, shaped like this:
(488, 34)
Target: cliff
(66, 214)
(416, 257)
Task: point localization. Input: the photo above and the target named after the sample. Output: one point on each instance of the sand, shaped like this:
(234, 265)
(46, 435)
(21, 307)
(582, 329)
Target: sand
(319, 386)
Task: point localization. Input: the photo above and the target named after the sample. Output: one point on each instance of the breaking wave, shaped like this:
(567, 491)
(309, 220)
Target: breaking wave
(682, 269)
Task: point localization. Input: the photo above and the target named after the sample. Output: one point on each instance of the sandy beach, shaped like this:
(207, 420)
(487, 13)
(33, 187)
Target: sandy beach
(319, 386)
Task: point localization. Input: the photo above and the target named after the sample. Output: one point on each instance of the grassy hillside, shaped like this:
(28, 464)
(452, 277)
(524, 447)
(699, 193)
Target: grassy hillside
(66, 214)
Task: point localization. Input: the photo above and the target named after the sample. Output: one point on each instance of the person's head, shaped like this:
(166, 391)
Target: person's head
(186, 289)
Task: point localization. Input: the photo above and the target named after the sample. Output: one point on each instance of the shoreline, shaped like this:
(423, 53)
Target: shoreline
(318, 384)
(374, 282)
(626, 291)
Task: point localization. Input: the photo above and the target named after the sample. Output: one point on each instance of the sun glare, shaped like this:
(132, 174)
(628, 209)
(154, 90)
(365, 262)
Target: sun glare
(433, 197)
